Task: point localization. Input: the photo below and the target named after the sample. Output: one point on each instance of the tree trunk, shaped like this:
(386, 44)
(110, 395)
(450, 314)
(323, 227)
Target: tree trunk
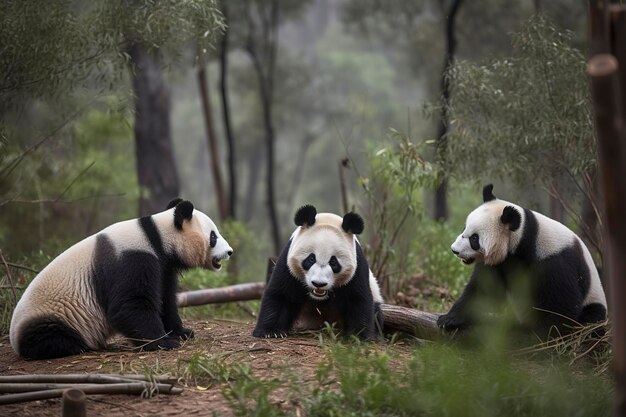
(156, 168)
(230, 140)
(441, 194)
(266, 91)
(203, 85)
(254, 166)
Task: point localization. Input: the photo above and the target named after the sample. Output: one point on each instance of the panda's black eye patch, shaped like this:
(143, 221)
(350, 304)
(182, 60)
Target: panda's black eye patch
(474, 243)
(334, 264)
(213, 239)
(308, 262)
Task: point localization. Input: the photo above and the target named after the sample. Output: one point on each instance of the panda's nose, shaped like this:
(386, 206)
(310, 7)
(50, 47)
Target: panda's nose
(230, 253)
(455, 252)
(318, 284)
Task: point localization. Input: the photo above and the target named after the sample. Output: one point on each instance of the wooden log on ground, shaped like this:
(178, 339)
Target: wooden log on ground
(131, 388)
(414, 322)
(239, 292)
(420, 324)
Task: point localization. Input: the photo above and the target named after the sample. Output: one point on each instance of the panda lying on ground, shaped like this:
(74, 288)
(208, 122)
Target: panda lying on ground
(321, 276)
(120, 280)
(507, 241)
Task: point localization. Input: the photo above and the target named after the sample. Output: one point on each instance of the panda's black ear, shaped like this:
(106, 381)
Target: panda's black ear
(173, 203)
(353, 223)
(488, 193)
(511, 217)
(182, 212)
(305, 216)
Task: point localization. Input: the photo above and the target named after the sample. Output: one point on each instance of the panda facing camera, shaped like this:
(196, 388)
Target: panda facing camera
(321, 277)
(120, 280)
(505, 242)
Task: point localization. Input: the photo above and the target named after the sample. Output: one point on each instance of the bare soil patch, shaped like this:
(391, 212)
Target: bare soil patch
(233, 340)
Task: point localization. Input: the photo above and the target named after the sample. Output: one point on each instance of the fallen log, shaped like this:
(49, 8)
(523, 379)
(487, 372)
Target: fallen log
(403, 319)
(420, 324)
(239, 292)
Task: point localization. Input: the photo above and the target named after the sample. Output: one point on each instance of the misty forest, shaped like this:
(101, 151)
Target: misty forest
(400, 111)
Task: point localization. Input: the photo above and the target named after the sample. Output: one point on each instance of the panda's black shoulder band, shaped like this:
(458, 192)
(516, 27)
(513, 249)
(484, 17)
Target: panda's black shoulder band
(173, 203)
(182, 212)
(305, 216)
(488, 193)
(353, 223)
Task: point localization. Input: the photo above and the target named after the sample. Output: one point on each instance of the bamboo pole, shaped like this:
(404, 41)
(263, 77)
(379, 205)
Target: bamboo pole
(84, 378)
(11, 388)
(129, 388)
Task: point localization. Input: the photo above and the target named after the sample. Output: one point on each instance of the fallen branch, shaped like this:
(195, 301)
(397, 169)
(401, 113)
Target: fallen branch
(239, 292)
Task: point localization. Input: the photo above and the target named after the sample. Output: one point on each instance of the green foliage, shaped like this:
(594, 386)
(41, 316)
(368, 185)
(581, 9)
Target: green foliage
(526, 118)
(80, 185)
(446, 380)
(432, 255)
(398, 174)
(54, 47)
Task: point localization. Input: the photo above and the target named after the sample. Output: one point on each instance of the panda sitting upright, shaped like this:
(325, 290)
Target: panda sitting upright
(321, 277)
(120, 280)
(507, 241)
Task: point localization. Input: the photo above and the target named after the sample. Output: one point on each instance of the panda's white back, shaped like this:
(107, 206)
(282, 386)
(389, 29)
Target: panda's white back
(64, 288)
(552, 238)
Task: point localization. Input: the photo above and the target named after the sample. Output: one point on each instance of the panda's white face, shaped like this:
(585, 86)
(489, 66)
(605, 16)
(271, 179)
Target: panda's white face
(485, 238)
(219, 249)
(198, 243)
(323, 258)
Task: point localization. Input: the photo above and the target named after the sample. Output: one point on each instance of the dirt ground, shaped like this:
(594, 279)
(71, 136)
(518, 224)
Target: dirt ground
(230, 338)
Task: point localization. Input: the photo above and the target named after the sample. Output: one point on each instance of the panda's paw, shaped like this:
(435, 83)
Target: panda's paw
(185, 333)
(269, 333)
(451, 322)
(166, 343)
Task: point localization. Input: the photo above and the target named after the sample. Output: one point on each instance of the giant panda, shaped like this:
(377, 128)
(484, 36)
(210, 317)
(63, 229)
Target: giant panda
(507, 242)
(120, 280)
(321, 277)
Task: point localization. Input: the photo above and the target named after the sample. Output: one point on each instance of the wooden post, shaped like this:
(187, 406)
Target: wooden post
(74, 403)
(607, 72)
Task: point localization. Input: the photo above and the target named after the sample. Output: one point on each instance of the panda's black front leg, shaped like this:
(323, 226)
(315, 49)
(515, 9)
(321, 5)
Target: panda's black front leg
(169, 314)
(134, 302)
(458, 318)
(276, 317)
(359, 318)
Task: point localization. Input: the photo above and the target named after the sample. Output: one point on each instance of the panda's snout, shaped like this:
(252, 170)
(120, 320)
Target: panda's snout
(318, 284)
(230, 253)
(454, 251)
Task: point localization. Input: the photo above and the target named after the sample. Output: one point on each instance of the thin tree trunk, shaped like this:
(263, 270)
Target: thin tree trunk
(205, 96)
(254, 166)
(441, 193)
(266, 91)
(156, 168)
(230, 140)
